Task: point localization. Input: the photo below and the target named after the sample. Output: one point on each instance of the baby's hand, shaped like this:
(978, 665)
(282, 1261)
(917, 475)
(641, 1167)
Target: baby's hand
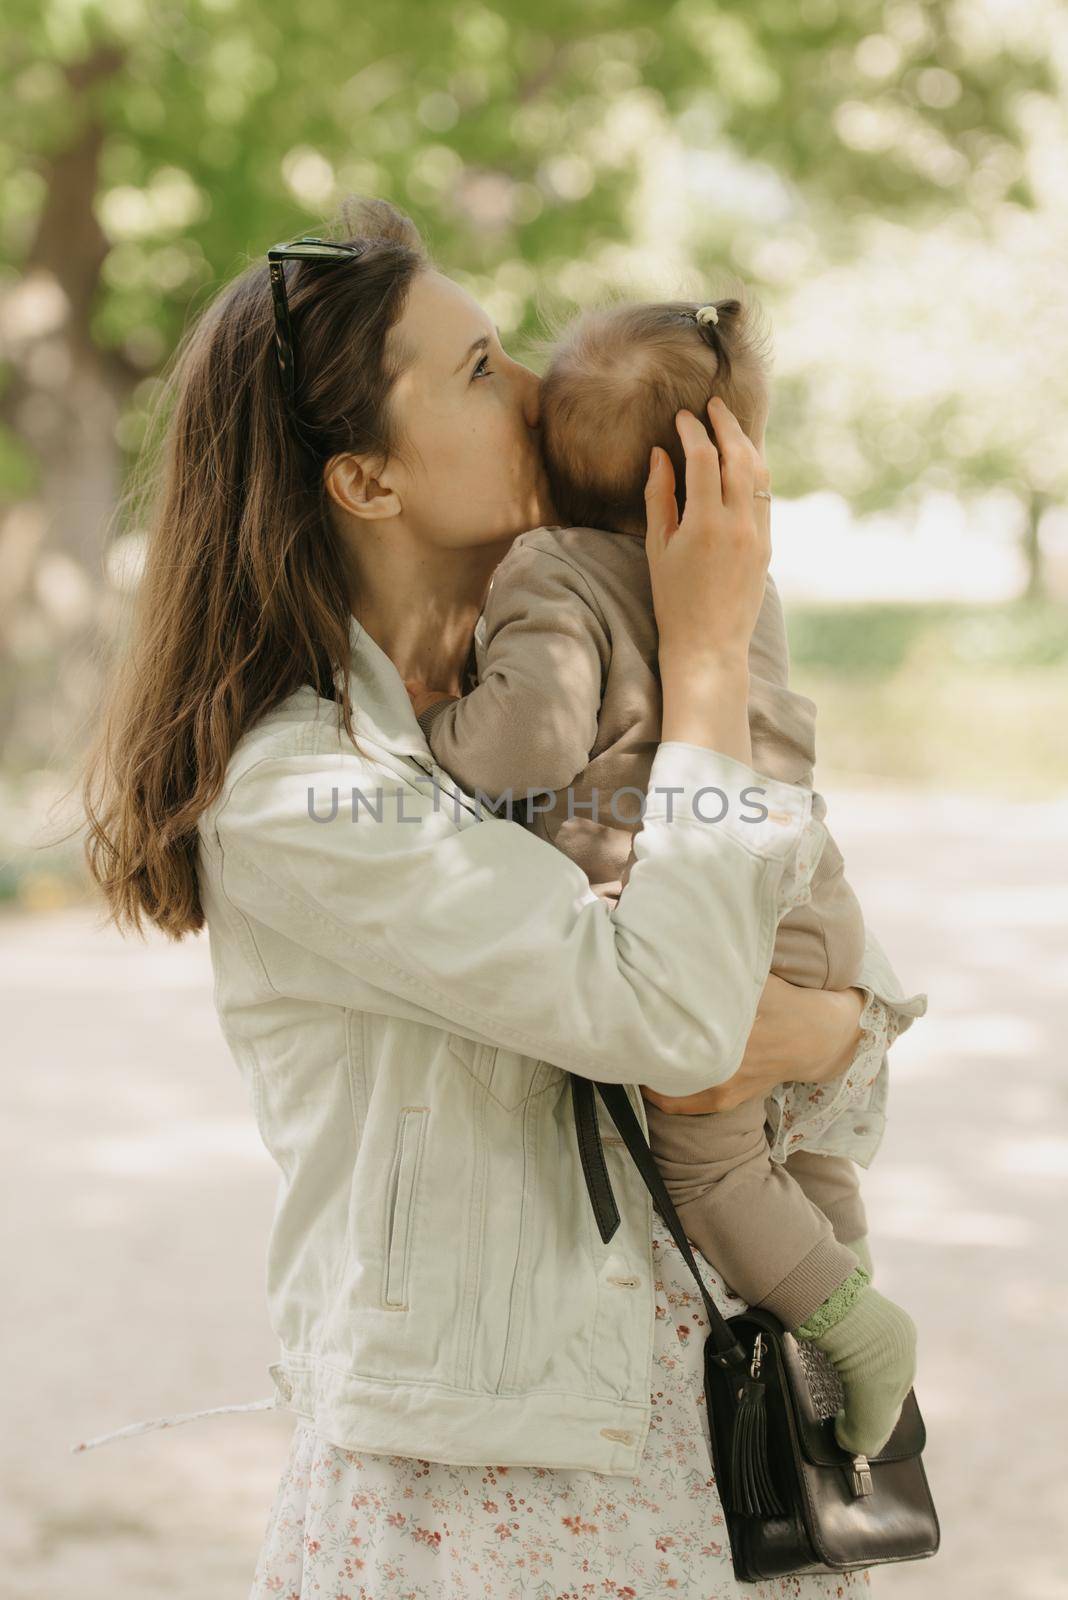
(422, 697)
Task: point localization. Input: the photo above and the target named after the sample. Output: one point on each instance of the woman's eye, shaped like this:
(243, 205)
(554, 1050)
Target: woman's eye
(479, 363)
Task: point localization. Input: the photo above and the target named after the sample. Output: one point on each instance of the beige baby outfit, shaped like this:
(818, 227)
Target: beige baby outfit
(568, 699)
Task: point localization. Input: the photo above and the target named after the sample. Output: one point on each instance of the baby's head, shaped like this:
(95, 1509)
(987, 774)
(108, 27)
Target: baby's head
(616, 378)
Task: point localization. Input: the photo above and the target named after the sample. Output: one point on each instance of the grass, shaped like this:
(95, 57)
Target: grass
(963, 697)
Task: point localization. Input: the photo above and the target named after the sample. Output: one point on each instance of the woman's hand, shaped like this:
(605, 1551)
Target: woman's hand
(708, 575)
(708, 572)
(808, 1035)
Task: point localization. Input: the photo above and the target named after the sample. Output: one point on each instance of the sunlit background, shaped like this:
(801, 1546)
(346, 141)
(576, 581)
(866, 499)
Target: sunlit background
(891, 179)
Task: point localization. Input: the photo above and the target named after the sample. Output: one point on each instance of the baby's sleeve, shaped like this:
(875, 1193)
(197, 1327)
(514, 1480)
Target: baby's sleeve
(531, 722)
(745, 1213)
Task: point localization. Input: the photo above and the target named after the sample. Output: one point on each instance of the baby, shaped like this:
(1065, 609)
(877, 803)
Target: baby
(568, 701)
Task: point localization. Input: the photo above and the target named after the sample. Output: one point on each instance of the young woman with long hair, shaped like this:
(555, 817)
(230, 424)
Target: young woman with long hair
(490, 1398)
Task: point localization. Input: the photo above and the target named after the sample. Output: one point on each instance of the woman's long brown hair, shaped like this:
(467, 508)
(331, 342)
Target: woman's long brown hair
(244, 596)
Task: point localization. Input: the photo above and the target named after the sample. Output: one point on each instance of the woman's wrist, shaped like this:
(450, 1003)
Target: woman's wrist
(705, 701)
(839, 1040)
(799, 1035)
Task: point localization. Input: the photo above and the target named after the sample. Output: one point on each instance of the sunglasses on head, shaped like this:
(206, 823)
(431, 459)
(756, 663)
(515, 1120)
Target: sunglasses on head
(306, 248)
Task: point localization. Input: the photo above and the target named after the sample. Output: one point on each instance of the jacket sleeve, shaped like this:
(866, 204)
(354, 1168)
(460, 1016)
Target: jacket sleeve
(531, 721)
(877, 977)
(489, 931)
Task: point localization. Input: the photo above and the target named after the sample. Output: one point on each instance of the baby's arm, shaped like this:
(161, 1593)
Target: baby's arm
(745, 1213)
(531, 721)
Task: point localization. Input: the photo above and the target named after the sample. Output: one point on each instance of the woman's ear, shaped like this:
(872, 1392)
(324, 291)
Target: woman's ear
(352, 485)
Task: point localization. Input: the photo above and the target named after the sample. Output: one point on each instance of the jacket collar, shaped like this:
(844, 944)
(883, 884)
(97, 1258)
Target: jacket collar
(382, 711)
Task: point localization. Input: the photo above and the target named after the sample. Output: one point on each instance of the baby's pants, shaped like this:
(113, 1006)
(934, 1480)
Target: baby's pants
(753, 1217)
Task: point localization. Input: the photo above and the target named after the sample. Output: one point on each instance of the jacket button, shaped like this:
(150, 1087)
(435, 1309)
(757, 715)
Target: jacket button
(861, 1127)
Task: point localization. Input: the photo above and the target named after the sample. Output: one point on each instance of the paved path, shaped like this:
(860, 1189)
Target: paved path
(137, 1200)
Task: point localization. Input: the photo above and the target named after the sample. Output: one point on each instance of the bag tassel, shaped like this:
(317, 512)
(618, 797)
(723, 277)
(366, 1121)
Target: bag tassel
(752, 1490)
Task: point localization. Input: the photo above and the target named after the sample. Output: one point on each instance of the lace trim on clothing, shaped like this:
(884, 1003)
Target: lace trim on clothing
(795, 888)
(800, 1113)
(837, 1304)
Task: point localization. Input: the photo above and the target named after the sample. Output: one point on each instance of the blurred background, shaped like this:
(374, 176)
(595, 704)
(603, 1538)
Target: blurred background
(891, 179)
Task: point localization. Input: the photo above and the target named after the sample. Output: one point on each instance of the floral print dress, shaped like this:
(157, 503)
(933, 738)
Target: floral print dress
(347, 1525)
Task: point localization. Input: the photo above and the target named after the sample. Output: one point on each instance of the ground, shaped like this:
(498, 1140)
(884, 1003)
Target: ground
(138, 1200)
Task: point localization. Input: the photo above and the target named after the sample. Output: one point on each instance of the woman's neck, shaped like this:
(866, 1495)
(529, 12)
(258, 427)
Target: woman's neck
(421, 607)
(427, 647)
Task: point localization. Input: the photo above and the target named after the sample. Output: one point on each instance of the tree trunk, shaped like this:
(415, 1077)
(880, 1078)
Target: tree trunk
(1036, 579)
(63, 404)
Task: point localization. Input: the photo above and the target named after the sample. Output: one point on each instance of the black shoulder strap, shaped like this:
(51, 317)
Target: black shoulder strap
(727, 1351)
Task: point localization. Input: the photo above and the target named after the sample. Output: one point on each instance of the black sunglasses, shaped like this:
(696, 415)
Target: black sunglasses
(306, 248)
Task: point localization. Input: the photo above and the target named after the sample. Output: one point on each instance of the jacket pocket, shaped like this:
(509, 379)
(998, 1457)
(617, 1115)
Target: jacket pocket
(507, 1076)
(400, 1219)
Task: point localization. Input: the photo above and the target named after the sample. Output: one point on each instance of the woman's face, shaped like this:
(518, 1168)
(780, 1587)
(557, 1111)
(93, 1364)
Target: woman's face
(468, 414)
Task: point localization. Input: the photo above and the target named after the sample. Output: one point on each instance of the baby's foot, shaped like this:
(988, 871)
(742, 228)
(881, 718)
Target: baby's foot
(872, 1346)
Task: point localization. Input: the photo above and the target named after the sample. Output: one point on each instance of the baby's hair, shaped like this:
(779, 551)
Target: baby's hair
(617, 376)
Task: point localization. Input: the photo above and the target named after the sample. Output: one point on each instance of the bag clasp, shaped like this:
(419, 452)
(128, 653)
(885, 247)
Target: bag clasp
(861, 1477)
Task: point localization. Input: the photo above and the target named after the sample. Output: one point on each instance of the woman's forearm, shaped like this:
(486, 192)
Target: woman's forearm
(832, 1046)
(808, 1035)
(707, 703)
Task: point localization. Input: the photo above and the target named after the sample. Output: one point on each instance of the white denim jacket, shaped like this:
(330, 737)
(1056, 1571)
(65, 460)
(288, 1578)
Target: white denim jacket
(406, 995)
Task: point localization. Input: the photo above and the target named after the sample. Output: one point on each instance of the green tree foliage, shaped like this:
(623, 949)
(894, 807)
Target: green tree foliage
(549, 150)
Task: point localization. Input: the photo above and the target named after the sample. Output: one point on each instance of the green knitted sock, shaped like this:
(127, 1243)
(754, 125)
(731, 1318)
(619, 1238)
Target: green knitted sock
(871, 1343)
(862, 1250)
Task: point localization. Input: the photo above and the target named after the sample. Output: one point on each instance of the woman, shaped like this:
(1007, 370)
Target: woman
(407, 984)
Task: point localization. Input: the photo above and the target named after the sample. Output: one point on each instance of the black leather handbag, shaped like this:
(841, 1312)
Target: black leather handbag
(793, 1499)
